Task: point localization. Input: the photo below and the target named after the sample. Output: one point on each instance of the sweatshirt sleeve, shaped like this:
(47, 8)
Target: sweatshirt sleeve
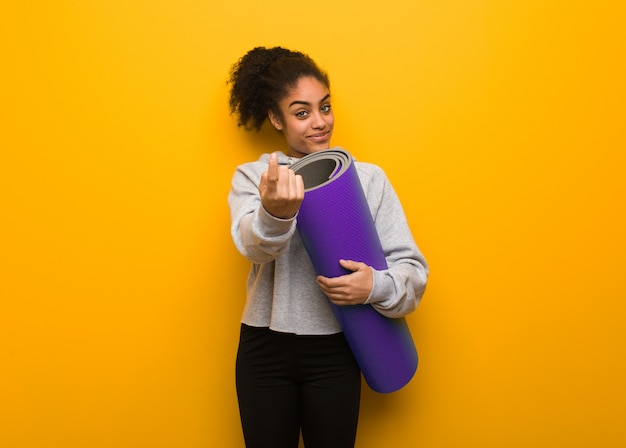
(397, 290)
(258, 235)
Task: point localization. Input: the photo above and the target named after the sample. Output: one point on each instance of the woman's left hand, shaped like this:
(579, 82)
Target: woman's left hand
(349, 289)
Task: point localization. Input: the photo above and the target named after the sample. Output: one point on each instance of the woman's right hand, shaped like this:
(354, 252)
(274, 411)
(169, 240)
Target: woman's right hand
(282, 190)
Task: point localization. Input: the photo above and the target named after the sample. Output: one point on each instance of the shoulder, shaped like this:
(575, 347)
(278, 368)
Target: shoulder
(254, 165)
(377, 187)
(369, 169)
(371, 175)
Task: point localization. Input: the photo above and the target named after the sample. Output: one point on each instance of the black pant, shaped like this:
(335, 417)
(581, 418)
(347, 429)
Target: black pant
(286, 383)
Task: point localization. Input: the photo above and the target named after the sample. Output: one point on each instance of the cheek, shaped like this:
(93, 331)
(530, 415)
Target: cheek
(294, 133)
(297, 128)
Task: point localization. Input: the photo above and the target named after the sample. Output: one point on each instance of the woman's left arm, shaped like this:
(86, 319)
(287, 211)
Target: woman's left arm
(397, 290)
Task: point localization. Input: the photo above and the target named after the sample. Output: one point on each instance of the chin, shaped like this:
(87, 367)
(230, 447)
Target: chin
(309, 149)
(320, 147)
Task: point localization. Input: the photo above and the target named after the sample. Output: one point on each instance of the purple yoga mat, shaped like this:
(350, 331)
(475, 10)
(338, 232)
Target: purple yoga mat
(334, 222)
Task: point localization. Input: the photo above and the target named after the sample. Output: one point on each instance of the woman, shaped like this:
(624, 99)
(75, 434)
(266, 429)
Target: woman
(295, 371)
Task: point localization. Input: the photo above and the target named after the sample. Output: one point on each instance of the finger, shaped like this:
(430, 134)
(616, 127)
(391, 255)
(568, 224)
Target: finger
(336, 297)
(352, 265)
(280, 184)
(341, 299)
(271, 176)
(272, 169)
(284, 173)
(289, 183)
(331, 284)
(299, 187)
(293, 186)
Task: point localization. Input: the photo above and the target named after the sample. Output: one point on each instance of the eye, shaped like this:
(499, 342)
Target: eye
(325, 108)
(302, 114)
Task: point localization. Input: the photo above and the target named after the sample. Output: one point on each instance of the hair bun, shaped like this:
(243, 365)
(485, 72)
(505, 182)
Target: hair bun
(262, 77)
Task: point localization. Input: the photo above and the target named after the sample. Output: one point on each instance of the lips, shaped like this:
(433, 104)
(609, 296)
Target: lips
(318, 137)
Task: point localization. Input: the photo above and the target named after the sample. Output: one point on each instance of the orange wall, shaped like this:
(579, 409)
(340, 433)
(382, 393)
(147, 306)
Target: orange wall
(501, 125)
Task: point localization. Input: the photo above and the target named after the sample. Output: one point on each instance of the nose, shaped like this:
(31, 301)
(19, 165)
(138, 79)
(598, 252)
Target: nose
(318, 121)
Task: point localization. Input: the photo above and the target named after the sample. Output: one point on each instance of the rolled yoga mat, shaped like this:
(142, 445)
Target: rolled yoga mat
(335, 222)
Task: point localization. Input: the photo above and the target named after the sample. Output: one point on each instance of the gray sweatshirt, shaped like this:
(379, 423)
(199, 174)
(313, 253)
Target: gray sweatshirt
(281, 290)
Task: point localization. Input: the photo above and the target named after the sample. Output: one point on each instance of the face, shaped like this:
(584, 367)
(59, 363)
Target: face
(307, 118)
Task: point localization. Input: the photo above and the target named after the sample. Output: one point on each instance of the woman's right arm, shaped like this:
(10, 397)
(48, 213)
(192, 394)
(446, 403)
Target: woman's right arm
(261, 235)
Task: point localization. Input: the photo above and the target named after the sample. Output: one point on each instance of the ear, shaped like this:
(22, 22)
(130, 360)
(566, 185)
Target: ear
(275, 120)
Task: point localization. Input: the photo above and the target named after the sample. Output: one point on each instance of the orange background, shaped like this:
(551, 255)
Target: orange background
(501, 125)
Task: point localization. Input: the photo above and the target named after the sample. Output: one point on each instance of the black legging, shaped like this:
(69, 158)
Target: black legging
(287, 382)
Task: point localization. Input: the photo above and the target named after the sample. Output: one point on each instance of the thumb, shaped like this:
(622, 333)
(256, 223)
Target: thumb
(350, 265)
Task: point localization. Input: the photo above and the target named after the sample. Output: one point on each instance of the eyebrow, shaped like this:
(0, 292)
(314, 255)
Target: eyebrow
(306, 103)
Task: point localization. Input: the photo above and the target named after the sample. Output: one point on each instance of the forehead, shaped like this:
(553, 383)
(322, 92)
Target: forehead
(307, 90)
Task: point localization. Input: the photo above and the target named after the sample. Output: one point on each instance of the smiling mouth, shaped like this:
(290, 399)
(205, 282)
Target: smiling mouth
(319, 136)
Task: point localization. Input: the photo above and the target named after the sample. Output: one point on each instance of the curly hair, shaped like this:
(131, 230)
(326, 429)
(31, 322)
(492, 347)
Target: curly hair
(262, 77)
